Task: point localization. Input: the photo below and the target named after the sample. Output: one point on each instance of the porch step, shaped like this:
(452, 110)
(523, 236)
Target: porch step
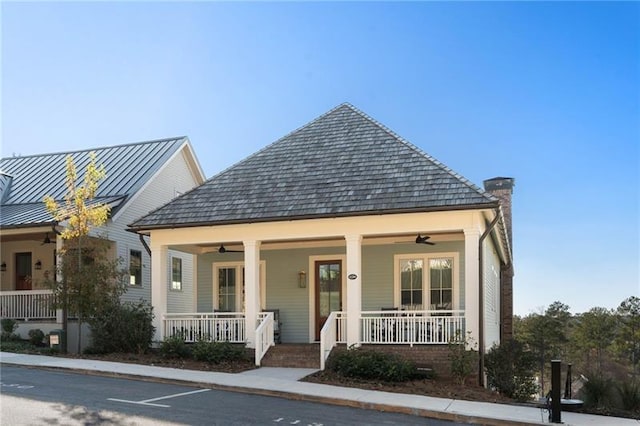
(293, 355)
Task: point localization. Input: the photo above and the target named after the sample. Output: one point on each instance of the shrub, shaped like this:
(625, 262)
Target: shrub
(629, 392)
(174, 347)
(367, 364)
(36, 337)
(8, 325)
(126, 327)
(217, 352)
(597, 392)
(462, 359)
(510, 370)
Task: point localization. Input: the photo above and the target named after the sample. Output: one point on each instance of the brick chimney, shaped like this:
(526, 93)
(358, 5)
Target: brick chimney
(502, 189)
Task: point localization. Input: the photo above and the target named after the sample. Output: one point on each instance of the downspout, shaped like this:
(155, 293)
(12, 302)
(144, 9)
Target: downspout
(481, 298)
(144, 243)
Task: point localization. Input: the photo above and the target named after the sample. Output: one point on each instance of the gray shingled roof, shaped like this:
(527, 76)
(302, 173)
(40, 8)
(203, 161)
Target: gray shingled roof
(26, 180)
(343, 163)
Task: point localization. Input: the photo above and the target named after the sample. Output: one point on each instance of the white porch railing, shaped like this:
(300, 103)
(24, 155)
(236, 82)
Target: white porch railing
(332, 333)
(27, 305)
(411, 327)
(264, 335)
(213, 326)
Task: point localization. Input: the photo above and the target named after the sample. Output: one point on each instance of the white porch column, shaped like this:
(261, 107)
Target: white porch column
(251, 288)
(471, 281)
(159, 287)
(354, 288)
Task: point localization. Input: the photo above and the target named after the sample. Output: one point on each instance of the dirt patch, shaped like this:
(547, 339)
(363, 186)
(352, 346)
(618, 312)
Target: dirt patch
(440, 388)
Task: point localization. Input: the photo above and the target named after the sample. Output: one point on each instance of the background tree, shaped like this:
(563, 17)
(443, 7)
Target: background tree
(594, 335)
(627, 342)
(545, 335)
(80, 215)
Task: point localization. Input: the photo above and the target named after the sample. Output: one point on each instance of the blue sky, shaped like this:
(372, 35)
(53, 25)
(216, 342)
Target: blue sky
(547, 93)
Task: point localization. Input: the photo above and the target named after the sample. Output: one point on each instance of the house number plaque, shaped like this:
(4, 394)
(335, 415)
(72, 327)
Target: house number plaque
(352, 276)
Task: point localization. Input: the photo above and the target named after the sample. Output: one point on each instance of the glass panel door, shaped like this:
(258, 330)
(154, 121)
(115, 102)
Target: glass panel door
(328, 290)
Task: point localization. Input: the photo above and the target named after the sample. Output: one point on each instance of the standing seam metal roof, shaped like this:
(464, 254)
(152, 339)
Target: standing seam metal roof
(343, 163)
(128, 167)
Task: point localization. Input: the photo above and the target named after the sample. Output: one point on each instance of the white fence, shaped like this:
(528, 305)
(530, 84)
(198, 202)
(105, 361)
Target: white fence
(411, 327)
(27, 305)
(213, 326)
(264, 335)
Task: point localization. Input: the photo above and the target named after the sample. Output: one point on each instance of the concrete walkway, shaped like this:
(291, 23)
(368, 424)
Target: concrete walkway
(284, 382)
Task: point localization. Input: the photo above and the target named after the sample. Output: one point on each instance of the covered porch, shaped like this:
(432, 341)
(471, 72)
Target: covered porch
(355, 281)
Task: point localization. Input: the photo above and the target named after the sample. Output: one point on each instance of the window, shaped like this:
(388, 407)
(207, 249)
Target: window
(441, 280)
(411, 283)
(434, 289)
(176, 273)
(227, 289)
(135, 267)
(228, 286)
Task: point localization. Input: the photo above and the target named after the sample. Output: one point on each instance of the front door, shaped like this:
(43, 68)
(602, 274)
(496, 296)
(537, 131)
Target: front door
(23, 271)
(328, 290)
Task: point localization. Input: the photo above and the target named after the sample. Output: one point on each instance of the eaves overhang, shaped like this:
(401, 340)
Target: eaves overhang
(145, 229)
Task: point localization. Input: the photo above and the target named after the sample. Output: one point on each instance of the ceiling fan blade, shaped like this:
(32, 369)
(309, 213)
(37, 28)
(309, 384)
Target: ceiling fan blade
(223, 249)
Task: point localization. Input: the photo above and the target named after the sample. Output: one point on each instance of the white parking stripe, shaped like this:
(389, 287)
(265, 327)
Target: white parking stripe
(175, 395)
(149, 401)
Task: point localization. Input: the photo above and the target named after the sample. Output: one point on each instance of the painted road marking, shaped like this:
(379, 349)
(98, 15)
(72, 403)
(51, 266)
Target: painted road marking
(16, 385)
(150, 401)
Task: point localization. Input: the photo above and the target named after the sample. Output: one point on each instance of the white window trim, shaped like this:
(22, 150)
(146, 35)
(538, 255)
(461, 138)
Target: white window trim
(239, 300)
(426, 294)
(181, 274)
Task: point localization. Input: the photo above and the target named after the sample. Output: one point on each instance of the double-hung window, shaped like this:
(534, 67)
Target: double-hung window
(426, 281)
(228, 286)
(176, 273)
(135, 267)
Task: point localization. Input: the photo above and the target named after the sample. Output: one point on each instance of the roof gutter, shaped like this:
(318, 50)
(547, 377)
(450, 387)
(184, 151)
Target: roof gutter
(481, 348)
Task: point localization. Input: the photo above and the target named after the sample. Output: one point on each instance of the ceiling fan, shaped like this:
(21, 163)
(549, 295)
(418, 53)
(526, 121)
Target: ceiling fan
(424, 240)
(222, 249)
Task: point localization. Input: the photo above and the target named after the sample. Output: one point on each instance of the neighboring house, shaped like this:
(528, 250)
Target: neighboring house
(139, 178)
(352, 234)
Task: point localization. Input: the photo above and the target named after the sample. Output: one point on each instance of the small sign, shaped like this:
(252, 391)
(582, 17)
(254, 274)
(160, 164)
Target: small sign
(352, 276)
(54, 339)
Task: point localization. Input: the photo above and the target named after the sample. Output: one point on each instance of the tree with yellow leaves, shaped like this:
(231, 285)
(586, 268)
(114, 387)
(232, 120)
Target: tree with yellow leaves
(89, 279)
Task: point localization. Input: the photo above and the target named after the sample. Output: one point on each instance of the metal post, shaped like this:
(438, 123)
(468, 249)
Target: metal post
(567, 384)
(555, 391)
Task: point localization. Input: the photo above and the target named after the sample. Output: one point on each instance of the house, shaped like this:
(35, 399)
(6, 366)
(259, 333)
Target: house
(139, 178)
(349, 232)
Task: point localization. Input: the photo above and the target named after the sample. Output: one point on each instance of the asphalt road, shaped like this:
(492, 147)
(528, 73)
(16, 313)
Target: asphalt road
(43, 397)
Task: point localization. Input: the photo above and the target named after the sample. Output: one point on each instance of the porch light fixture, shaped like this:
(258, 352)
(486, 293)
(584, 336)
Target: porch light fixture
(3, 267)
(38, 265)
(302, 279)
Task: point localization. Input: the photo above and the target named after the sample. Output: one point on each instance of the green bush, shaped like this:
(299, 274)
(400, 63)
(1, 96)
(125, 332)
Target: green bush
(36, 337)
(371, 365)
(597, 392)
(126, 327)
(629, 392)
(174, 347)
(463, 356)
(8, 327)
(510, 370)
(217, 352)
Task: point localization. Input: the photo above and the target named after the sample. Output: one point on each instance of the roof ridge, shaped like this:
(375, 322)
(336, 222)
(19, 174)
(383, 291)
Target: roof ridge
(176, 138)
(422, 152)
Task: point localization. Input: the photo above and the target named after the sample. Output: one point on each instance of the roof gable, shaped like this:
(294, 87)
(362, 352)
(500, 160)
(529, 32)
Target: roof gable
(128, 167)
(341, 164)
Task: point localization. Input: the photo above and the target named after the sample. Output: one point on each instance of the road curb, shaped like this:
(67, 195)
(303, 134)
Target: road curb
(389, 408)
